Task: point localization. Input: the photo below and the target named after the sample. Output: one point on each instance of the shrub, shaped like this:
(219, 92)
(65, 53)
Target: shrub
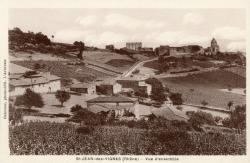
(84, 130)
(176, 98)
(29, 99)
(179, 108)
(197, 119)
(61, 115)
(136, 71)
(37, 66)
(76, 108)
(62, 96)
(87, 117)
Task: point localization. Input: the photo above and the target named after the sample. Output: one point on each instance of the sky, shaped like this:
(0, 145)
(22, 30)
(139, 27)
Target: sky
(152, 27)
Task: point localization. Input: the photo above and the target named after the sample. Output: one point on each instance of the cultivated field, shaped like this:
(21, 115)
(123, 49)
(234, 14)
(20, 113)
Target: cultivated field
(60, 68)
(189, 63)
(206, 86)
(237, 70)
(44, 138)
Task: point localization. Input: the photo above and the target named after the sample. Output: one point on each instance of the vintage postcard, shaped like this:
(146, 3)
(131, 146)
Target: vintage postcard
(112, 81)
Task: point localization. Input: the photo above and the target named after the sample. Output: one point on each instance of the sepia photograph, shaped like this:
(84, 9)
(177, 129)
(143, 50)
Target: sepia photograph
(127, 81)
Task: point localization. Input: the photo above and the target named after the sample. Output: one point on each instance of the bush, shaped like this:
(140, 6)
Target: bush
(176, 98)
(136, 71)
(29, 99)
(84, 130)
(199, 118)
(179, 108)
(76, 108)
(62, 96)
(87, 117)
(61, 115)
(37, 66)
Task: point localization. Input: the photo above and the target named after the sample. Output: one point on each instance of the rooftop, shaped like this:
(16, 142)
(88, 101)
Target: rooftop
(16, 69)
(34, 81)
(110, 99)
(81, 85)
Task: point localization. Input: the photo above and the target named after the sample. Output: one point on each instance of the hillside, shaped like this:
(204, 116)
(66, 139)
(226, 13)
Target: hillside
(207, 86)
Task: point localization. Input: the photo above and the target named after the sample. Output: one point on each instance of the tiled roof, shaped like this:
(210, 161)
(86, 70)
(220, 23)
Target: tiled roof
(33, 81)
(169, 114)
(16, 69)
(111, 99)
(96, 108)
(81, 85)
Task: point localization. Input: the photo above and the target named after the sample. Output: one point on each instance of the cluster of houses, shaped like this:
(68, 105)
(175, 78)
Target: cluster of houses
(21, 78)
(113, 86)
(166, 50)
(110, 97)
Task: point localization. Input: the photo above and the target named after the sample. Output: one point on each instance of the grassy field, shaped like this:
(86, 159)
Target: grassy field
(44, 138)
(237, 70)
(104, 56)
(189, 63)
(59, 68)
(120, 63)
(205, 86)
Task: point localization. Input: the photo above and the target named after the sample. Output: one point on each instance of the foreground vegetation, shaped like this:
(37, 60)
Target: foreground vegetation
(41, 138)
(95, 134)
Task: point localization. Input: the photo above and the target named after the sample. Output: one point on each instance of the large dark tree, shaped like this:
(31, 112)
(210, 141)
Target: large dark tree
(197, 119)
(157, 92)
(238, 117)
(62, 96)
(176, 98)
(80, 45)
(29, 99)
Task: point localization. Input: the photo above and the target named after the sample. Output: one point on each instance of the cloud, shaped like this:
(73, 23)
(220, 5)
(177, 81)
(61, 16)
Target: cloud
(193, 18)
(71, 35)
(87, 21)
(127, 22)
(91, 37)
(176, 38)
(229, 33)
(237, 46)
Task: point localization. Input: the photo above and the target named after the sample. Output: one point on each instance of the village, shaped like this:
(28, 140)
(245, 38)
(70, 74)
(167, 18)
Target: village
(189, 87)
(126, 90)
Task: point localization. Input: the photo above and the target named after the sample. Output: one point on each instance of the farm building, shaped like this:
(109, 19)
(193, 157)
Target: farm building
(108, 87)
(137, 84)
(110, 47)
(111, 100)
(116, 105)
(134, 45)
(40, 83)
(85, 88)
(21, 78)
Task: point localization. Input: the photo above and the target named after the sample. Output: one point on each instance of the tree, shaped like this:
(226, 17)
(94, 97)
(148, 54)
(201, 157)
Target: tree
(80, 45)
(204, 103)
(37, 66)
(29, 99)
(40, 38)
(229, 104)
(197, 119)
(176, 98)
(62, 96)
(238, 117)
(157, 92)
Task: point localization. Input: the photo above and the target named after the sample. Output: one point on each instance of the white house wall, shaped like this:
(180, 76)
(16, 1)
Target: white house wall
(51, 86)
(117, 88)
